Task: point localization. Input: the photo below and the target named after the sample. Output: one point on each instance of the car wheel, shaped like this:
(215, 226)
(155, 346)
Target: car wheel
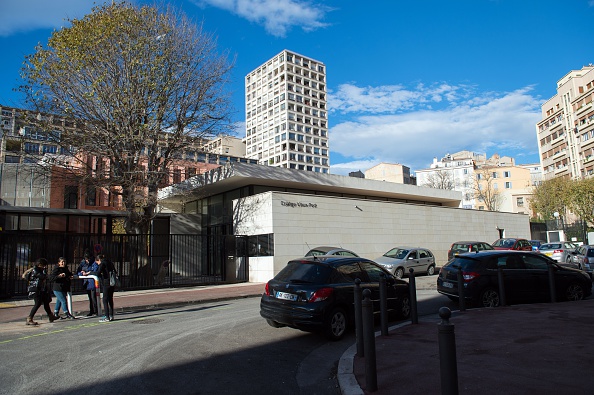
(399, 273)
(404, 308)
(274, 324)
(336, 325)
(431, 270)
(489, 298)
(574, 292)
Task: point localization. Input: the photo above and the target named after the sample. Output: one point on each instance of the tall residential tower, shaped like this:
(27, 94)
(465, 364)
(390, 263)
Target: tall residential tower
(286, 113)
(566, 131)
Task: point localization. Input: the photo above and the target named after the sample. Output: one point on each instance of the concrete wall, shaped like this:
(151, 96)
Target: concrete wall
(370, 228)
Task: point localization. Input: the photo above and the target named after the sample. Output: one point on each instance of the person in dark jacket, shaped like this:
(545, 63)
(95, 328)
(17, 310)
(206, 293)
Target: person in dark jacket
(61, 277)
(88, 266)
(39, 288)
(104, 272)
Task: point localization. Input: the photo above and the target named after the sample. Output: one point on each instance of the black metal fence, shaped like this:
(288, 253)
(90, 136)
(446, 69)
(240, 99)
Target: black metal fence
(142, 261)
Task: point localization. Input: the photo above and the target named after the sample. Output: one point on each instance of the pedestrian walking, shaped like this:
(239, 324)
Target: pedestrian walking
(106, 268)
(87, 267)
(39, 290)
(61, 277)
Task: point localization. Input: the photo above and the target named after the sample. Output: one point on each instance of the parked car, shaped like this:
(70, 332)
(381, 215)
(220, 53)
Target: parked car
(536, 244)
(512, 244)
(316, 294)
(559, 251)
(526, 278)
(399, 260)
(583, 258)
(328, 251)
(461, 247)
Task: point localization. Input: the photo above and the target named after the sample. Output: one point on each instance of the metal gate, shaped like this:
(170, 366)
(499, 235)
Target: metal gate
(143, 261)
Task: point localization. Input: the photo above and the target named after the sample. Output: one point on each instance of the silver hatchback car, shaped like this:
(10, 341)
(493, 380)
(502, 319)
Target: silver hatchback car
(330, 251)
(559, 251)
(399, 260)
(583, 258)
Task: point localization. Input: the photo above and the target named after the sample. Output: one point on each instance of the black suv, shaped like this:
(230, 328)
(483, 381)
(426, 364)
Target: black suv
(317, 293)
(526, 278)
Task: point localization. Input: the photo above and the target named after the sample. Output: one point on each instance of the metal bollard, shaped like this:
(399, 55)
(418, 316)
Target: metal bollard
(412, 287)
(500, 280)
(369, 340)
(552, 284)
(461, 300)
(383, 304)
(447, 353)
(358, 319)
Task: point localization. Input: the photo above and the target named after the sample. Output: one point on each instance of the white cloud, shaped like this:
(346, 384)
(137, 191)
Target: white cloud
(26, 15)
(489, 123)
(394, 98)
(277, 16)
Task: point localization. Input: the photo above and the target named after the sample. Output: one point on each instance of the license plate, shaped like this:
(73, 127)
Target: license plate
(548, 253)
(286, 296)
(447, 285)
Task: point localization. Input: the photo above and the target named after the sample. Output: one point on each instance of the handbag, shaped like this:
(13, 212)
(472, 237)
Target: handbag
(114, 279)
(32, 288)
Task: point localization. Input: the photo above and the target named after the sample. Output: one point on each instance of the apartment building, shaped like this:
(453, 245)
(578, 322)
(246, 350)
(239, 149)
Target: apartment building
(566, 132)
(456, 169)
(22, 145)
(286, 113)
(464, 171)
(225, 145)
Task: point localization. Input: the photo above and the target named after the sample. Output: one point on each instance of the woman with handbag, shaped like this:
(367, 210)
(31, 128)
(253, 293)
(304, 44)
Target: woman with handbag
(106, 268)
(38, 290)
(61, 277)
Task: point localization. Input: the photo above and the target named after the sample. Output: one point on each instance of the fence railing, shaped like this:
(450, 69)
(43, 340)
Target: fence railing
(142, 261)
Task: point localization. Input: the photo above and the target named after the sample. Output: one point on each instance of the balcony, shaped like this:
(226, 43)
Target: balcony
(559, 154)
(583, 108)
(561, 170)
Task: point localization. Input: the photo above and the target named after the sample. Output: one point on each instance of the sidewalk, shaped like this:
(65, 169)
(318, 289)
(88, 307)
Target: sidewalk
(18, 310)
(525, 349)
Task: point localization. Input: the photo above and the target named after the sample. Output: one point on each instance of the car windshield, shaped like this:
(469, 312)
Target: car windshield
(504, 243)
(397, 253)
(315, 252)
(590, 253)
(461, 247)
(304, 272)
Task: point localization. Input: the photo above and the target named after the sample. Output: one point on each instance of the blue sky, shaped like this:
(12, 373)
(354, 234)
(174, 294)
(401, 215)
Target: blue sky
(407, 80)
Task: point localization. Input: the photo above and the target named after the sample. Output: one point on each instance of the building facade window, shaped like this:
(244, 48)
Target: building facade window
(520, 202)
(70, 197)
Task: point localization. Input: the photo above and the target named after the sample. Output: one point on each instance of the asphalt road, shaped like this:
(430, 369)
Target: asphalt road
(216, 348)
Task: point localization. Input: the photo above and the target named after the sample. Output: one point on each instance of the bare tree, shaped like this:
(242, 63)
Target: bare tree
(485, 189)
(133, 87)
(440, 179)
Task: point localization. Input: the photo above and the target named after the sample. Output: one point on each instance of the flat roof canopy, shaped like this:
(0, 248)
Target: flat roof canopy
(236, 175)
